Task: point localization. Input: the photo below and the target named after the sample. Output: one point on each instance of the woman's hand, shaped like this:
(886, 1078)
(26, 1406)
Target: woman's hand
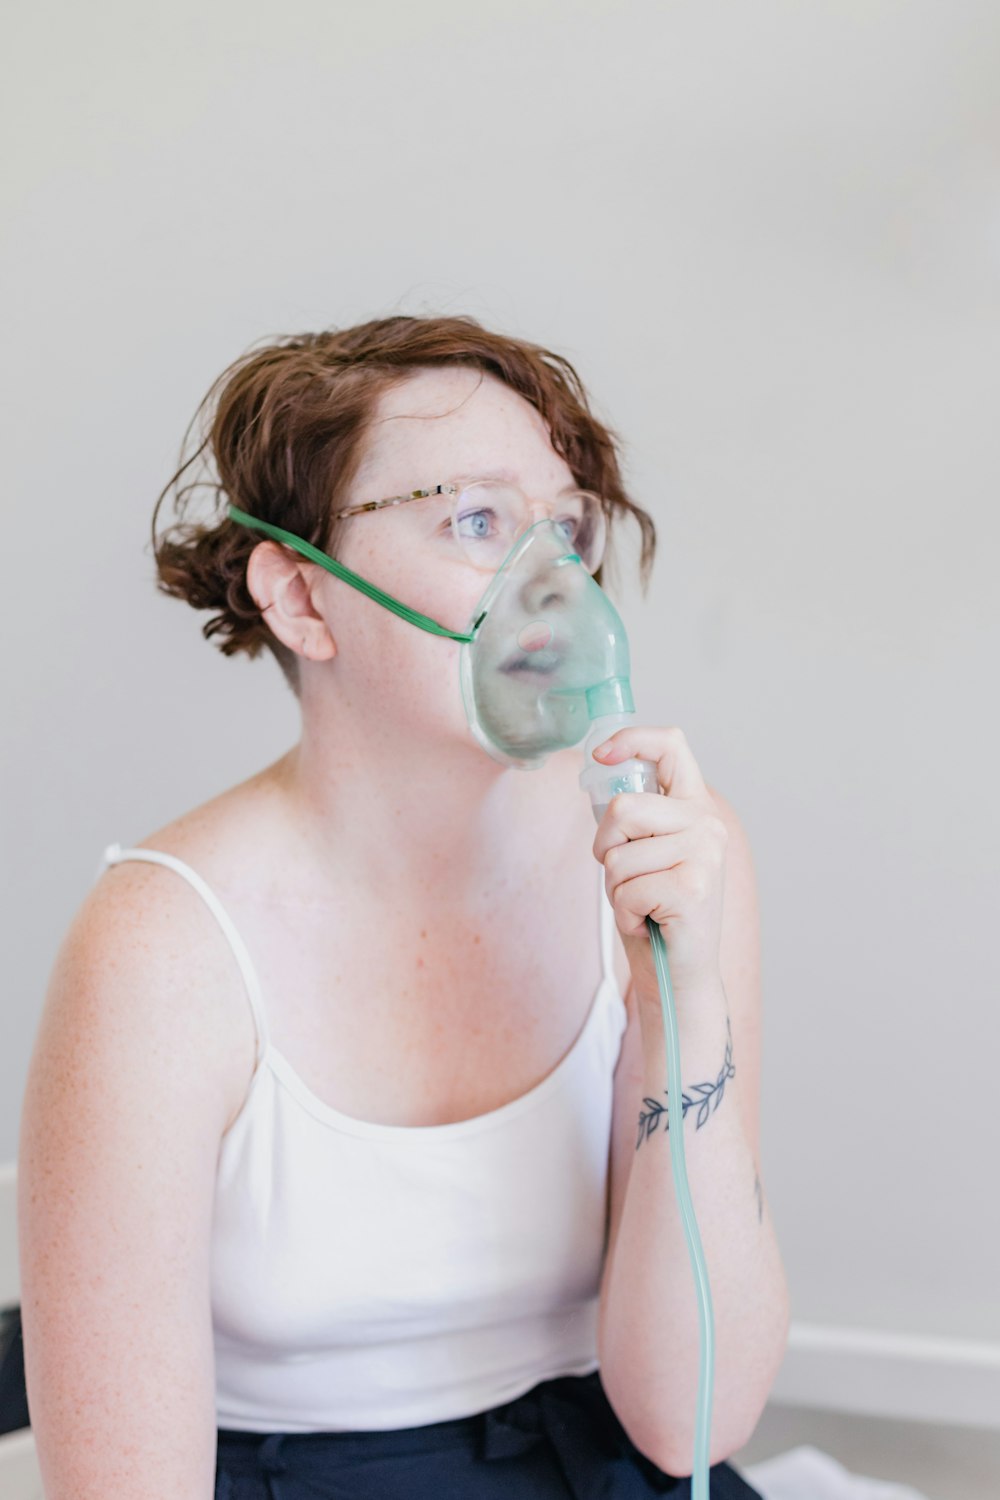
(664, 857)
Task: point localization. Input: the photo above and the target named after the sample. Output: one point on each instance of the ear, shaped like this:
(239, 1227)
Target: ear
(281, 585)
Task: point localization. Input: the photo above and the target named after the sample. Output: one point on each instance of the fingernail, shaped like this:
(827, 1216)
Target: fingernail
(604, 750)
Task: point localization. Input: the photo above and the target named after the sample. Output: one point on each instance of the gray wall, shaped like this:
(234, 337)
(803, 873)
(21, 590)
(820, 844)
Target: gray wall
(769, 235)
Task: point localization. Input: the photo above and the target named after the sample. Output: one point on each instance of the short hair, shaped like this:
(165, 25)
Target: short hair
(281, 434)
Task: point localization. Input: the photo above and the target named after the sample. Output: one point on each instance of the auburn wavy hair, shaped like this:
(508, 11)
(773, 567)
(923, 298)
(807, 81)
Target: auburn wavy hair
(279, 434)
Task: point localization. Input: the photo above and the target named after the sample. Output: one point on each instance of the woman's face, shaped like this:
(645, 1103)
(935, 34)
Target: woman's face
(435, 426)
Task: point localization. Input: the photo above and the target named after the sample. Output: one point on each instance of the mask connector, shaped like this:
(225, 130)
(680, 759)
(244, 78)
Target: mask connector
(601, 782)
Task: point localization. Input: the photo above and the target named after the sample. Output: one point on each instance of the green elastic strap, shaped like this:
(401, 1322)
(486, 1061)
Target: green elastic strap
(354, 579)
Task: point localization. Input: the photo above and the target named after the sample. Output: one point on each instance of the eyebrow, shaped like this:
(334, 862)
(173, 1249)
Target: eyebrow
(502, 476)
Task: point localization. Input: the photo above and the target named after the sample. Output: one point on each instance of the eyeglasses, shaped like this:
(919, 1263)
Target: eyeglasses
(487, 516)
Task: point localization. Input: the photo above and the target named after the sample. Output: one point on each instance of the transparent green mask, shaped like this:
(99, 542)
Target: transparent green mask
(549, 653)
(545, 652)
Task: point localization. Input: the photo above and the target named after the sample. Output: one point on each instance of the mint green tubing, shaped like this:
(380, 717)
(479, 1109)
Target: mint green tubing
(675, 1121)
(341, 570)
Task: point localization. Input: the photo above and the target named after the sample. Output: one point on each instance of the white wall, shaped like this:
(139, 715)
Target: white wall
(769, 235)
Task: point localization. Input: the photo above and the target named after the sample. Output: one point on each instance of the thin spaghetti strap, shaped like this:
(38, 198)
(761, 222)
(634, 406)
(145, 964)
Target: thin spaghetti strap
(114, 854)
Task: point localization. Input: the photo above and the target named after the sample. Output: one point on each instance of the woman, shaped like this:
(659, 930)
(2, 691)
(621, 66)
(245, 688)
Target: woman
(328, 1175)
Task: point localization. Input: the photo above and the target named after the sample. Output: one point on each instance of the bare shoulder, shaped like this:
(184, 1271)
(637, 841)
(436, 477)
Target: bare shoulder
(142, 1040)
(231, 830)
(145, 939)
(145, 956)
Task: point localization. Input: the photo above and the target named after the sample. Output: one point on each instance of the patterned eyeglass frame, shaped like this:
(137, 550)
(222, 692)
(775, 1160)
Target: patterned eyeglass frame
(451, 490)
(339, 570)
(439, 489)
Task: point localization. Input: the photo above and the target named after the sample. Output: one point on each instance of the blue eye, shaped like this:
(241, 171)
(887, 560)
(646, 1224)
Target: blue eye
(481, 524)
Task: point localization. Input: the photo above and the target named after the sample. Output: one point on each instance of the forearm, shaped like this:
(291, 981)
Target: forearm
(649, 1343)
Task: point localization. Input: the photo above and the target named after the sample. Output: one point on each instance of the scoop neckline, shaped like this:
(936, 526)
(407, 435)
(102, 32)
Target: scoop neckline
(295, 1085)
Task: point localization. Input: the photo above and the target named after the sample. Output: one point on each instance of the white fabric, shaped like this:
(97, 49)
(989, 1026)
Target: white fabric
(369, 1276)
(806, 1473)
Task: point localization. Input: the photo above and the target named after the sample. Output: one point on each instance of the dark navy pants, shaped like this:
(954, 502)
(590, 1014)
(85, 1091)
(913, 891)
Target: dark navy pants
(559, 1441)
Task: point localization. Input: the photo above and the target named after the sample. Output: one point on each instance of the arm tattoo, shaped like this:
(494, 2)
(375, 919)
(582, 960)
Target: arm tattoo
(650, 1117)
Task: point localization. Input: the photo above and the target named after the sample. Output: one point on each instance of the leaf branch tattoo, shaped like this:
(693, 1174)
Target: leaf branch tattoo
(651, 1116)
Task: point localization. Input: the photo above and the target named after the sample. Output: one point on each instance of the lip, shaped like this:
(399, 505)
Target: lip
(548, 662)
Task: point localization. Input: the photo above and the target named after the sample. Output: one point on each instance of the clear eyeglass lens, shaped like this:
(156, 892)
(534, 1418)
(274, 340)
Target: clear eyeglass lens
(487, 519)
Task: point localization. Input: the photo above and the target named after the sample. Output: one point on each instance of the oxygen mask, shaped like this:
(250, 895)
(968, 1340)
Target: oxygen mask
(545, 657)
(546, 652)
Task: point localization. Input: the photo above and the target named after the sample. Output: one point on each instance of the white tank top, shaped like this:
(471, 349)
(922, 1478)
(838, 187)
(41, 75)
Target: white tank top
(368, 1276)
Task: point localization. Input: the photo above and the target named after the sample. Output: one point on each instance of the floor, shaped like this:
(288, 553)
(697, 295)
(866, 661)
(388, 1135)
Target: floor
(942, 1463)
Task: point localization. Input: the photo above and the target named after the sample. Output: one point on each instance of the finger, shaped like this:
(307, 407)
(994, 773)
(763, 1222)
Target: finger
(676, 768)
(652, 895)
(638, 815)
(645, 856)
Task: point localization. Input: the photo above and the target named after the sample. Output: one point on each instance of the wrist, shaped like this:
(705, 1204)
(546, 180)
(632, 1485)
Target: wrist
(697, 991)
(701, 1010)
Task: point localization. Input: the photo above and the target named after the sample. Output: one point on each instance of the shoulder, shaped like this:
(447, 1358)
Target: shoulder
(125, 1102)
(231, 832)
(145, 946)
(135, 1041)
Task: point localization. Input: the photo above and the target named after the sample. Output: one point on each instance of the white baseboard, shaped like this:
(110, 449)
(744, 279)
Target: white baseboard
(955, 1381)
(20, 1477)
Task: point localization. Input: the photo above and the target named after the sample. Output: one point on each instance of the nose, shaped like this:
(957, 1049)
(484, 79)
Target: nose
(552, 579)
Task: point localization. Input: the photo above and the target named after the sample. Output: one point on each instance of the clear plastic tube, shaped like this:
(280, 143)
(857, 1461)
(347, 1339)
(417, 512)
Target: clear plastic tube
(706, 1368)
(602, 783)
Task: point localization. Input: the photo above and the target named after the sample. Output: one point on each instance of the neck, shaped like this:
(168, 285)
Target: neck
(439, 818)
